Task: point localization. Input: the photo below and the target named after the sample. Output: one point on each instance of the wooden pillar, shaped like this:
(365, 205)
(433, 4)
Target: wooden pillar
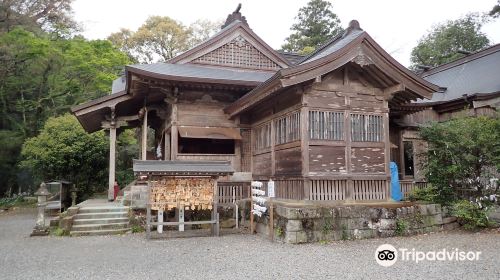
(387, 149)
(112, 161)
(273, 145)
(144, 138)
(348, 152)
(304, 144)
(174, 134)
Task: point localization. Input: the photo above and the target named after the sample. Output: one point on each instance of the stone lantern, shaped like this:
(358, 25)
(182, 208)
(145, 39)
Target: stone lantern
(40, 229)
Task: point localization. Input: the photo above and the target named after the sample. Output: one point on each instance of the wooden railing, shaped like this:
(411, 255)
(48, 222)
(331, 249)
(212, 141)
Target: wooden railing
(328, 190)
(319, 189)
(409, 186)
(229, 192)
(289, 189)
(370, 189)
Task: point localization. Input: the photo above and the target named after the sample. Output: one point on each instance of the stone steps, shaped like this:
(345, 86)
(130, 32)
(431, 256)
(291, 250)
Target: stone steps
(90, 227)
(101, 215)
(99, 232)
(100, 220)
(97, 209)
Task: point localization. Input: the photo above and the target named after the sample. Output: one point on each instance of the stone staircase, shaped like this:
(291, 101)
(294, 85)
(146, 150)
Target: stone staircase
(101, 220)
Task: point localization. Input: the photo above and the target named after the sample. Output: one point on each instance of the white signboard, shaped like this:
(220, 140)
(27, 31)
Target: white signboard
(270, 188)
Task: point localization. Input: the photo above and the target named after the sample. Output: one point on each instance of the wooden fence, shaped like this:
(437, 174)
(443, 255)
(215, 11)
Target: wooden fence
(229, 192)
(319, 190)
(328, 190)
(370, 189)
(409, 186)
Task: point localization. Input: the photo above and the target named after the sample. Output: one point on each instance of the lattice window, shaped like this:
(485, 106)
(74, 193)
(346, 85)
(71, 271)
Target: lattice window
(287, 128)
(326, 125)
(262, 136)
(366, 128)
(238, 53)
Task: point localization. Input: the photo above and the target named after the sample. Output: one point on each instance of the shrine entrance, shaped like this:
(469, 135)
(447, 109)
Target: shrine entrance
(179, 187)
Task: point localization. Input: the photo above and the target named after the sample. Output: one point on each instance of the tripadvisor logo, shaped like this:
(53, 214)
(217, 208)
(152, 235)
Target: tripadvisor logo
(387, 255)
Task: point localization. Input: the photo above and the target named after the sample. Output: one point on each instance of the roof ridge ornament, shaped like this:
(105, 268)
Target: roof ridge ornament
(236, 15)
(353, 25)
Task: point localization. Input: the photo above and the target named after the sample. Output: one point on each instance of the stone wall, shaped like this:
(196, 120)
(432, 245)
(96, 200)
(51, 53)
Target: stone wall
(314, 224)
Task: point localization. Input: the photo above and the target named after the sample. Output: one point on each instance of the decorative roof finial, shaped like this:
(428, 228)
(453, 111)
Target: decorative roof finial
(236, 15)
(353, 25)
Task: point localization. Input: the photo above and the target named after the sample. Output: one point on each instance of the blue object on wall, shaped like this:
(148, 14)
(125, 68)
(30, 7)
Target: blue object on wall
(396, 193)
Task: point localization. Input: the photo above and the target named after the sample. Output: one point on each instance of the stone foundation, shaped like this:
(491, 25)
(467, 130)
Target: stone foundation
(322, 223)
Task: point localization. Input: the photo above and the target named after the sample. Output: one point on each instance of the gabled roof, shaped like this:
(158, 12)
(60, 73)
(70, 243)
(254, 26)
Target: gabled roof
(475, 73)
(354, 45)
(235, 27)
(293, 58)
(198, 73)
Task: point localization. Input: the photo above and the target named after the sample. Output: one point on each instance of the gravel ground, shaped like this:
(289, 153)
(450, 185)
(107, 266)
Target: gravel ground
(236, 256)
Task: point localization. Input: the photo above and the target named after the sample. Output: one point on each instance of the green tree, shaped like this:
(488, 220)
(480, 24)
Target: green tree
(161, 38)
(495, 11)
(49, 15)
(316, 24)
(63, 150)
(463, 153)
(445, 40)
(43, 76)
(201, 30)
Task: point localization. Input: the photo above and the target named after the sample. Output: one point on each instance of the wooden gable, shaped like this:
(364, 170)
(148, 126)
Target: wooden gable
(239, 53)
(235, 46)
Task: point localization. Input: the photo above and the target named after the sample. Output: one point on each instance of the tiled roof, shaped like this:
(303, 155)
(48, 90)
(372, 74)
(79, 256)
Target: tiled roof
(475, 73)
(168, 167)
(202, 72)
(333, 45)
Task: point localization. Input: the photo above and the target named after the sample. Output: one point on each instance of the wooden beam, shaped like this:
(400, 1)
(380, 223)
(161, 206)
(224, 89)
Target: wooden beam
(389, 92)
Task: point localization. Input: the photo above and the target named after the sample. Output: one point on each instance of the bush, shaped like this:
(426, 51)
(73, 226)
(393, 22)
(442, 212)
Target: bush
(58, 231)
(471, 215)
(17, 201)
(443, 196)
(402, 227)
(137, 229)
(462, 154)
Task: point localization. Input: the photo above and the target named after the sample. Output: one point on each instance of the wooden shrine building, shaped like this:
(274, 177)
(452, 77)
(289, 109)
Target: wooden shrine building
(320, 126)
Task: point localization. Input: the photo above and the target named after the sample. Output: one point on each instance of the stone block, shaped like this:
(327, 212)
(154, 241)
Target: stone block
(387, 224)
(301, 237)
(386, 233)
(364, 233)
(374, 213)
(357, 223)
(388, 213)
(293, 225)
(449, 220)
(309, 213)
(288, 213)
(422, 208)
(66, 223)
(329, 212)
(73, 210)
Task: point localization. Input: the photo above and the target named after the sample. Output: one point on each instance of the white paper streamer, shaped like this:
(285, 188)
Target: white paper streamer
(258, 192)
(255, 212)
(257, 184)
(259, 208)
(259, 200)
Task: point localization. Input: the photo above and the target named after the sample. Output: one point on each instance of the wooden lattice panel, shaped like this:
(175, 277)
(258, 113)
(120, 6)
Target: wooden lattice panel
(238, 53)
(190, 193)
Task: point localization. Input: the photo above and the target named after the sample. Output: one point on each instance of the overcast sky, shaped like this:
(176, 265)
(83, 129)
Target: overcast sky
(395, 24)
